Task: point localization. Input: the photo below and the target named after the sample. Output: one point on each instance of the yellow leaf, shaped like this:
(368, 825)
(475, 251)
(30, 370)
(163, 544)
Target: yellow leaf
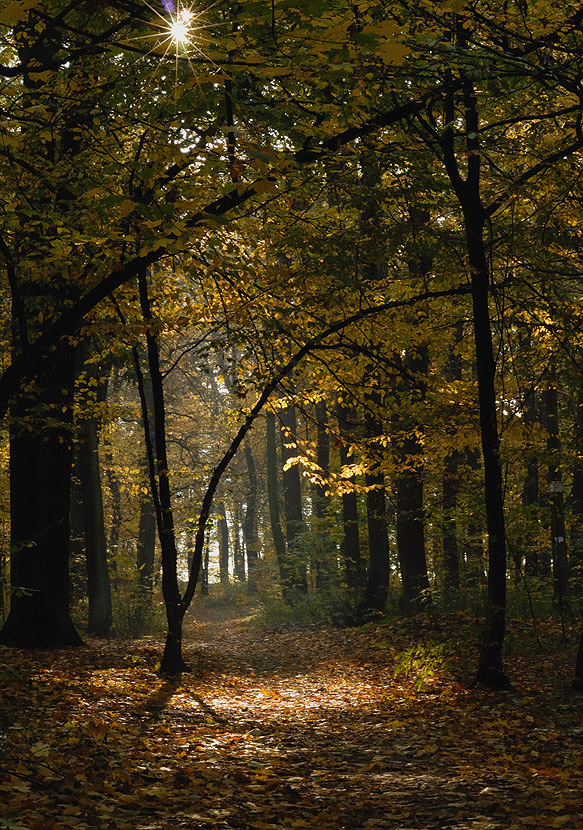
(265, 186)
(16, 11)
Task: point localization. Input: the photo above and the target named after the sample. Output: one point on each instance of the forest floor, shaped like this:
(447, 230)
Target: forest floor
(293, 728)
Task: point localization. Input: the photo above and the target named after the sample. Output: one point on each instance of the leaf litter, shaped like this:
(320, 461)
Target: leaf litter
(291, 728)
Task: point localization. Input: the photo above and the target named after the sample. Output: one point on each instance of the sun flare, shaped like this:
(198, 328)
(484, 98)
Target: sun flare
(181, 27)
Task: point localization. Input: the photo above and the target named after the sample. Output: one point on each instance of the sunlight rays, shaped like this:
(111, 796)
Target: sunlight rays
(179, 34)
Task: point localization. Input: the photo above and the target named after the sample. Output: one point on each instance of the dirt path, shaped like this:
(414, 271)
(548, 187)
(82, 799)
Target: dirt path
(282, 729)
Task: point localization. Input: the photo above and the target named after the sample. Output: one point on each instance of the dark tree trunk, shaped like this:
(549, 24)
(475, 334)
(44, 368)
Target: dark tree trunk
(410, 523)
(250, 522)
(377, 585)
(172, 660)
(3, 564)
(223, 537)
(351, 544)
(88, 470)
(450, 486)
(285, 574)
(490, 671)
(555, 480)
(475, 554)
(324, 560)
(77, 560)
(116, 516)
(98, 585)
(238, 549)
(146, 547)
(530, 492)
(2, 585)
(292, 500)
(578, 678)
(40, 487)
(204, 571)
(576, 502)
(411, 535)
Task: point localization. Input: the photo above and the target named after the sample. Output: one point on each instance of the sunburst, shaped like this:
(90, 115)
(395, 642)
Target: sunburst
(181, 28)
(180, 33)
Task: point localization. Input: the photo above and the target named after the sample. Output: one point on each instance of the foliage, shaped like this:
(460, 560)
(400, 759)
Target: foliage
(423, 663)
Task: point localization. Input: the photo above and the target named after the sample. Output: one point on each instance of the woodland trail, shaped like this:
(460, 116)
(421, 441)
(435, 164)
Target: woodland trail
(287, 729)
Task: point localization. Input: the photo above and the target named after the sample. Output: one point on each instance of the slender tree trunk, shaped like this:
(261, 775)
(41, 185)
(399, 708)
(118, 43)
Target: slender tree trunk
(490, 671)
(116, 515)
(172, 660)
(474, 552)
(324, 560)
(204, 576)
(450, 485)
(377, 585)
(77, 560)
(146, 547)
(98, 585)
(40, 487)
(292, 500)
(530, 492)
(351, 544)
(410, 523)
(578, 677)
(250, 522)
(2, 586)
(285, 574)
(88, 469)
(576, 502)
(555, 480)
(238, 549)
(223, 536)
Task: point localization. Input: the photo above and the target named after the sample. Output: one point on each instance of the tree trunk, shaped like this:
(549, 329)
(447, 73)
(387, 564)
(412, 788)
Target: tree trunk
(223, 537)
(555, 479)
(409, 493)
(292, 501)
(324, 561)
(490, 671)
(250, 522)
(146, 547)
(351, 544)
(530, 492)
(98, 586)
(576, 503)
(116, 515)
(285, 574)
(40, 487)
(172, 660)
(204, 576)
(578, 677)
(77, 559)
(377, 585)
(238, 550)
(88, 469)
(450, 485)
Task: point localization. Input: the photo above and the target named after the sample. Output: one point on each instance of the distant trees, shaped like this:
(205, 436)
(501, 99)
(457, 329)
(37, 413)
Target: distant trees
(398, 296)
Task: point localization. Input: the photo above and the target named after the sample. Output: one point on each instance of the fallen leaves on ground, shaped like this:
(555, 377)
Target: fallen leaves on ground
(290, 728)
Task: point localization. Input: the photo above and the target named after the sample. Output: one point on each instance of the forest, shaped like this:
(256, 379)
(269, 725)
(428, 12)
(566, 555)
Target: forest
(291, 401)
